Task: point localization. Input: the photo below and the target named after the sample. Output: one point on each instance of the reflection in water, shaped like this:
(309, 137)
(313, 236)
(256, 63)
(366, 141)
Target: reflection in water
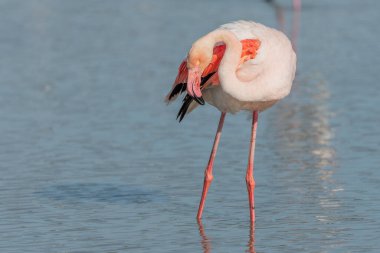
(305, 125)
(206, 242)
(251, 242)
(304, 122)
(316, 114)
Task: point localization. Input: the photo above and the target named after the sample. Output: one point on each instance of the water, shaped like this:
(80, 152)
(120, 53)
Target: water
(93, 161)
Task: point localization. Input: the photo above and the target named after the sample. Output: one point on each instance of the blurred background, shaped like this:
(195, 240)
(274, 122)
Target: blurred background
(92, 160)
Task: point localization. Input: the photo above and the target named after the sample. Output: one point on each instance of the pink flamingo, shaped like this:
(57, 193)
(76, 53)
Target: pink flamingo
(296, 4)
(296, 19)
(239, 66)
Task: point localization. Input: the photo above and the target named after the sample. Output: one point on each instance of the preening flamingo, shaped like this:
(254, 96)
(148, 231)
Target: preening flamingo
(239, 66)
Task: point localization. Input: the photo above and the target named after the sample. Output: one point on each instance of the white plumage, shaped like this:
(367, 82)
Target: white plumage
(261, 81)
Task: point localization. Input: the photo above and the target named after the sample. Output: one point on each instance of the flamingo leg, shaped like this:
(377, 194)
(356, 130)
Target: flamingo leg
(249, 176)
(208, 172)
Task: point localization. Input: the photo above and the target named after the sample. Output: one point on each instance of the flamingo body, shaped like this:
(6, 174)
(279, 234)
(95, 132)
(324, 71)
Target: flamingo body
(266, 66)
(239, 66)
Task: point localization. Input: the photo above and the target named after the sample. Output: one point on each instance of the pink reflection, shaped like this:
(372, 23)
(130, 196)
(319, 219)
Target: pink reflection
(251, 242)
(206, 242)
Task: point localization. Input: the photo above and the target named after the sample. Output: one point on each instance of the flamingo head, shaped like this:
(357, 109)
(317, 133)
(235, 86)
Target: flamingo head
(198, 59)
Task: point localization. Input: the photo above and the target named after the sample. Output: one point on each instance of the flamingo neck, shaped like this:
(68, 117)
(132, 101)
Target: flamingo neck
(242, 90)
(231, 58)
(268, 79)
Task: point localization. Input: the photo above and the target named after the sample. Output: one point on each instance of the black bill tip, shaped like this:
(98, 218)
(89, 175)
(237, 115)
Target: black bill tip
(199, 100)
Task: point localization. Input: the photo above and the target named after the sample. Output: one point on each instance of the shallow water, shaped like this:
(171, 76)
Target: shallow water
(93, 161)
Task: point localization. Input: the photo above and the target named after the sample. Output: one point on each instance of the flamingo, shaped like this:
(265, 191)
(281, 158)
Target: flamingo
(296, 4)
(239, 66)
(296, 19)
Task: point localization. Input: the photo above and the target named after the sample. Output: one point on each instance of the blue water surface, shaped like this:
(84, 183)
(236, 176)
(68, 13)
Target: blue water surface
(92, 160)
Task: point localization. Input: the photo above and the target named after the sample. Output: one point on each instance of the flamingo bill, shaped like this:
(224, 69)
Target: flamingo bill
(194, 82)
